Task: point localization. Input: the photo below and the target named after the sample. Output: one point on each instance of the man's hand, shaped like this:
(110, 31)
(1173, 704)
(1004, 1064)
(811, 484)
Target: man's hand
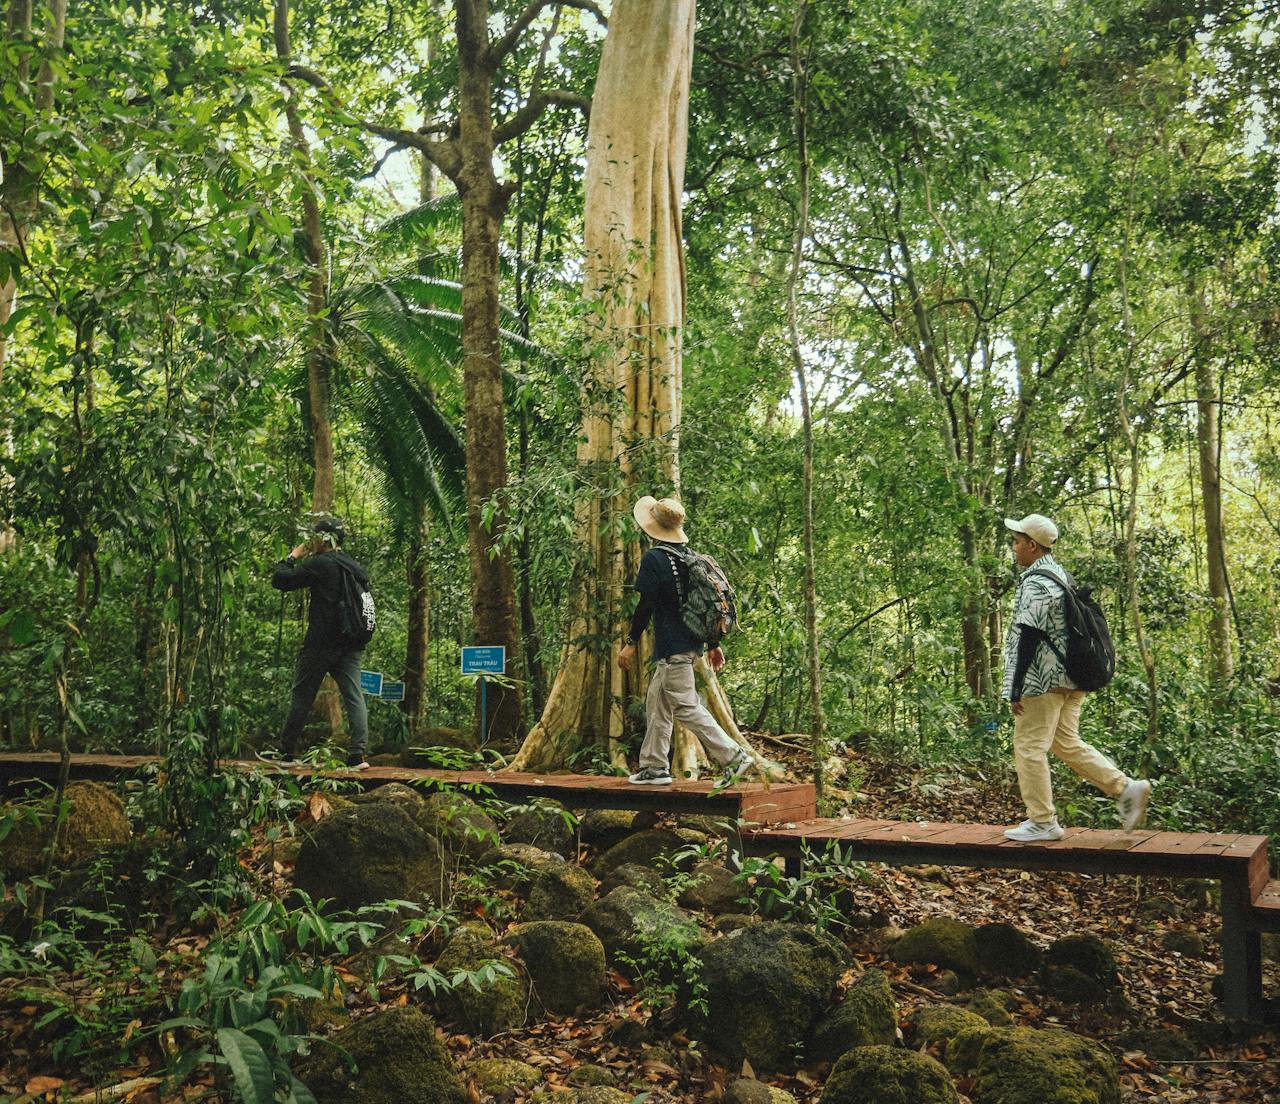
(716, 658)
(1017, 707)
(627, 657)
(299, 552)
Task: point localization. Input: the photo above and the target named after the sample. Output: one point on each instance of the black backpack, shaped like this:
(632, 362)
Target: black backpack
(1090, 659)
(357, 615)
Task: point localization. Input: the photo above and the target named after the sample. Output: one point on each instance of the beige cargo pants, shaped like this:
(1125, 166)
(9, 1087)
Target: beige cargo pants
(673, 697)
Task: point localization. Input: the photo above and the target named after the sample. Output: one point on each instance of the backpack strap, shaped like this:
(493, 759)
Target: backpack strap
(1068, 596)
(677, 559)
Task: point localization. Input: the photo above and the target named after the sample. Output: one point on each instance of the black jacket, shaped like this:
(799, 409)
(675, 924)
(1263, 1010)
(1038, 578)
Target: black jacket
(323, 574)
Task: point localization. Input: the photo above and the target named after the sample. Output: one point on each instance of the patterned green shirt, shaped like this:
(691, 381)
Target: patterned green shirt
(1039, 604)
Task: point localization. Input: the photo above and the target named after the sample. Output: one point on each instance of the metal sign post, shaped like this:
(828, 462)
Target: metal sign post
(483, 661)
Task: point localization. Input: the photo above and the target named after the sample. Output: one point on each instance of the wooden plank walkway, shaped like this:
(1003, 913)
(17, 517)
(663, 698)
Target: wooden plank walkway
(753, 802)
(1250, 901)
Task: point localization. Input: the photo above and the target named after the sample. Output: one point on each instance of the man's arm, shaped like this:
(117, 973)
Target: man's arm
(639, 622)
(293, 572)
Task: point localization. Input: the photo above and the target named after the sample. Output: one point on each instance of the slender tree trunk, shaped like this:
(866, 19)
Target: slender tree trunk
(1208, 417)
(318, 352)
(415, 652)
(635, 280)
(800, 94)
(484, 202)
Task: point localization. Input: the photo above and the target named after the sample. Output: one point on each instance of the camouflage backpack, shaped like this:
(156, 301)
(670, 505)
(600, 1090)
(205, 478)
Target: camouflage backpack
(708, 607)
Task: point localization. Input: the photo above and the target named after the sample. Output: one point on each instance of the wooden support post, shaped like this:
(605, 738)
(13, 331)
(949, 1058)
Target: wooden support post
(794, 866)
(1241, 955)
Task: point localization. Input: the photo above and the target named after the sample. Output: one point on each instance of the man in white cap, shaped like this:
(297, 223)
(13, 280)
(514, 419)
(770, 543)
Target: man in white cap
(1045, 702)
(661, 581)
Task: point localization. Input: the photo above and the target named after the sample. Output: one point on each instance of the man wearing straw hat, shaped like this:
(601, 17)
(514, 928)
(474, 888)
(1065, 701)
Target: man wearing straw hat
(660, 582)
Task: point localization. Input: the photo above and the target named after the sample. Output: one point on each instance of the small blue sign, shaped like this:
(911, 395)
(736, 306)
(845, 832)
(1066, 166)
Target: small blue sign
(484, 661)
(392, 691)
(371, 682)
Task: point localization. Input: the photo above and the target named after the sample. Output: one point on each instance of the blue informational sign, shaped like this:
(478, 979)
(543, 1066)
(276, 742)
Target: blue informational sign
(392, 691)
(484, 661)
(371, 682)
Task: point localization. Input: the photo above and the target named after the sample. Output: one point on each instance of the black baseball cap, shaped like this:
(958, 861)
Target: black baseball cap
(332, 526)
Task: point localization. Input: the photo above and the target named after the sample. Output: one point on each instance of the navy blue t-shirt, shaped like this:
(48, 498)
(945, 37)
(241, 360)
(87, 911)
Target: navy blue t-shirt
(658, 582)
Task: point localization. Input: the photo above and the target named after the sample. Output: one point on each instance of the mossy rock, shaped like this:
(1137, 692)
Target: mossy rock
(709, 826)
(734, 921)
(1019, 1065)
(500, 1075)
(114, 890)
(432, 738)
(992, 1005)
(636, 876)
(765, 985)
(587, 1076)
(544, 825)
(498, 1007)
(516, 865)
(602, 828)
(866, 1017)
(565, 962)
(95, 822)
(460, 824)
(399, 1060)
(1080, 969)
(747, 1090)
(1005, 951)
(370, 853)
(559, 893)
(888, 1075)
(1072, 986)
(940, 1023)
(626, 919)
(714, 890)
(1161, 1043)
(940, 941)
(395, 793)
(646, 848)
(1184, 941)
(1159, 906)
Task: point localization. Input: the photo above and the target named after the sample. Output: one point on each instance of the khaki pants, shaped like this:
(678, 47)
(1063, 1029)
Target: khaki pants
(1051, 723)
(672, 697)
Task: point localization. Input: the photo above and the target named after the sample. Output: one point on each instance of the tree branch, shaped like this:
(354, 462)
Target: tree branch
(498, 50)
(537, 103)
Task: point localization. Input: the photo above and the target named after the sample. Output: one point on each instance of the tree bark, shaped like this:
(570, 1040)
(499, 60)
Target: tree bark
(635, 281)
(1208, 418)
(418, 572)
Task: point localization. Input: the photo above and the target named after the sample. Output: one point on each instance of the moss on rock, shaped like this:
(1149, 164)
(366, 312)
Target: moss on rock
(460, 824)
(1006, 952)
(635, 876)
(713, 890)
(940, 941)
(95, 822)
(1161, 1043)
(559, 892)
(992, 1005)
(940, 1023)
(503, 1075)
(866, 1017)
(887, 1075)
(765, 985)
(1080, 969)
(643, 848)
(626, 919)
(369, 853)
(546, 825)
(495, 1008)
(1184, 941)
(565, 963)
(602, 828)
(399, 1060)
(1019, 1065)
(587, 1076)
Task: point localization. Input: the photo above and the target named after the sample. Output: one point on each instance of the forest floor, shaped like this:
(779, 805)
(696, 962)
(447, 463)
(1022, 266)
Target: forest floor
(1160, 988)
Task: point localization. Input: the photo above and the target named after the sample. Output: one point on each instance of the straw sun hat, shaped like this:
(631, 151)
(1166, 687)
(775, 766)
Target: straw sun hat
(661, 518)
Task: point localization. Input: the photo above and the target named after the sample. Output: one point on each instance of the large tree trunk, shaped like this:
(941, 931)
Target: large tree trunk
(1208, 420)
(484, 202)
(635, 279)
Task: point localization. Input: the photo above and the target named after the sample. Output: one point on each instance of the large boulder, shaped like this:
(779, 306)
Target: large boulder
(559, 892)
(888, 1075)
(397, 793)
(495, 1076)
(399, 1060)
(626, 919)
(940, 941)
(494, 1008)
(713, 889)
(1006, 952)
(866, 1017)
(546, 824)
(1021, 1065)
(764, 985)
(648, 848)
(1080, 969)
(635, 876)
(565, 962)
(515, 865)
(461, 825)
(602, 828)
(95, 822)
(370, 853)
(938, 1024)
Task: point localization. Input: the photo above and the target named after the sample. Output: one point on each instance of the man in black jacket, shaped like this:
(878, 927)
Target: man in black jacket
(319, 564)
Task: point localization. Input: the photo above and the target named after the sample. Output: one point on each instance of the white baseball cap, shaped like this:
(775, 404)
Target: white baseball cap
(1036, 526)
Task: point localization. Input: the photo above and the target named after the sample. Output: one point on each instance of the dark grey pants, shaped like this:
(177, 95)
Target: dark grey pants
(308, 672)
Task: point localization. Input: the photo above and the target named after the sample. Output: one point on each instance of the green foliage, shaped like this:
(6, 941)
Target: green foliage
(818, 897)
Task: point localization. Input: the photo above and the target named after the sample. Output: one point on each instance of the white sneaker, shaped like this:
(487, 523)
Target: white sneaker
(1132, 803)
(650, 777)
(1030, 831)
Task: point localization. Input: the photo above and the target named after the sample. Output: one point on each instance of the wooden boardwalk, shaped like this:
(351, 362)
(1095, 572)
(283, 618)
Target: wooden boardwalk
(778, 819)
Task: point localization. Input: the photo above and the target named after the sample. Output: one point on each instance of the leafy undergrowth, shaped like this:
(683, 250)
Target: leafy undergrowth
(110, 1004)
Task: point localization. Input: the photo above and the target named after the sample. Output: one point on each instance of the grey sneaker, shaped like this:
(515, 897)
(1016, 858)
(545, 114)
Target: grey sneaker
(650, 777)
(1030, 831)
(736, 768)
(1132, 803)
